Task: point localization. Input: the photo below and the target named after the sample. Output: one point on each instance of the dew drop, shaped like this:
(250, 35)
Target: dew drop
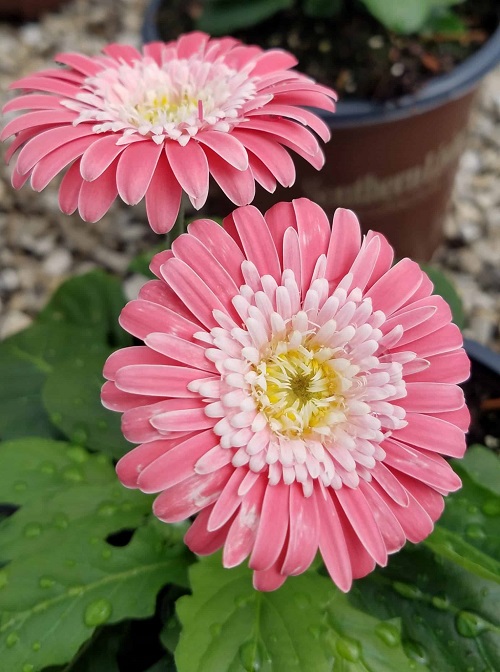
(107, 509)
(4, 579)
(97, 613)
(349, 649)
(20, 486)
(475, 531)
(94, 540)
(77, 454)
(215, 630)
(32, 530)
(74, 591)
(469, 624)
(11, 640)
(243, 601)
(405, 590)
(302, 601)
(314, 631)
(484, 592)
(70, 562)
(102, 459)
(491, 507)
(46, 582)
(415, 651)
(60, 520)
(107, 553)
(441, 602)
(73, 475)
(102, 425)
(472, 509)
(273, 639)
(251, 657)
(79, 436)
(77, 401)
(28, 667)
(388, 633)
(56, 418)
(36, 646)
(127, 506)
(47, 468)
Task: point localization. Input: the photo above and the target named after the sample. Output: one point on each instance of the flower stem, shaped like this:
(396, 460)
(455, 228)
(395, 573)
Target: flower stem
(180, 225)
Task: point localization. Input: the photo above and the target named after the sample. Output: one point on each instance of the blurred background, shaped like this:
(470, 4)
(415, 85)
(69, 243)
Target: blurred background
(40, 247)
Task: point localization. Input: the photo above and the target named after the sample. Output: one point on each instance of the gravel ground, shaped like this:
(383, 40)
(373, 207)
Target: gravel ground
(40, 247)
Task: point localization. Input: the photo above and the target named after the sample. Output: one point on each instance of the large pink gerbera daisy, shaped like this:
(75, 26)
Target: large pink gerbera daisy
(159, 123)
(294, 391)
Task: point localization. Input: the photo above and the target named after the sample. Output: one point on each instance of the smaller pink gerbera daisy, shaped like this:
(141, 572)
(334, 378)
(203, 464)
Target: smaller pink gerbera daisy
(295, 390)
(159, 123)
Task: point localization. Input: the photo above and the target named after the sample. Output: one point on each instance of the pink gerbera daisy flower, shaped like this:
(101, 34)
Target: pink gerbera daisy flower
(159, 123)
(294, 391)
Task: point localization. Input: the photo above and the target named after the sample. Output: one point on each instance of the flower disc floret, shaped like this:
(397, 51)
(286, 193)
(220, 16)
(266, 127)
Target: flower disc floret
(159, 123)
(295, 390)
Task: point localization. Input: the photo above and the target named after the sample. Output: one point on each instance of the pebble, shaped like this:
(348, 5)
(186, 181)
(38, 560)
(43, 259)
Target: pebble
(39, 246)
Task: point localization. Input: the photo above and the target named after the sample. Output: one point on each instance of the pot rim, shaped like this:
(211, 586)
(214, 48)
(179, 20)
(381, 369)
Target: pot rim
(436, 92)
(482, 354)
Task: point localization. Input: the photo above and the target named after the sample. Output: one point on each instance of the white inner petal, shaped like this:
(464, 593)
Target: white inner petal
(174, 100)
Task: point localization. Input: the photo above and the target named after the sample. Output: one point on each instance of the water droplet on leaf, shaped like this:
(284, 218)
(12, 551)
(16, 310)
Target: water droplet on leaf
(36, 646)
(107, 553)
(11, 640)
(107, 509)
(491, 507)
(97, 613)
(349, 649)
(74, 591)
(46, 582)
(215, 630)
(475, 531)
(56, 418)
(102, 425)
(73, 474)
(77, 454)
(314, 631)
(28, 667)
(469, 624)
(20, 486)
(60, 521)
(4, 579)
(441, 602)
(405, 590)
(79, 436)
(302, 601)
(48, 468)
(32, 530)
(388, 633)
(415, 651)
(251, 657)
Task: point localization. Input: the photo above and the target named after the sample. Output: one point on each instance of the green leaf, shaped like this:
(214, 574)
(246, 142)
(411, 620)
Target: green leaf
(445, 21)
(71, 395)
(447, 590)
(98, 654)
(402, 17)
(322, 8)
(61, 578)
(91, 301)
(221, 17)
(305, 625)
(445, 288)
(26, 359)
(140, 263)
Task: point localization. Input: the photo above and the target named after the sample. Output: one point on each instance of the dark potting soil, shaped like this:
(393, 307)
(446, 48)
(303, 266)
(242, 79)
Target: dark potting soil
(482, 393)
(354, 53)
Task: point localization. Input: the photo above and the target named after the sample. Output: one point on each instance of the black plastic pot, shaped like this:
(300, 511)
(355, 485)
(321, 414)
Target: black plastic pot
(393, 163)
(482, 392)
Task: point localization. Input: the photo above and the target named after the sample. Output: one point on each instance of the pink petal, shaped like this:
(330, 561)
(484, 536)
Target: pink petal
(32, 101)
(238, 185)
(180, 350)
(297, 114)
(226, 146)
(306, 99)
(228, 502)
(158, 380)
(271, 61)
(241, 535)
(314, 235)
(159, 292)
(262, 174)
(131, 465)
(460, 417)
(431, 469)
(395, 287)
(273, 156)
(389, 526)
(190, 167)
(117, 400)
(137, 426)
(188, 419)
(45, 142)
(200, 540)
(123, 52)
(449, 367)
(390, 484)
(384, 259)
(135, 354)
(39, 118)
(190, 496)
(445, 339)
(193, 291)
(177, 464)
(69, 191)
(84, 64)
(273, 527)
(414, 520)
(432, 398)
(52, 164)
(221, 245)
(141, 318)
(269, 579)
(99, 156)
(344, 244)
(279, 218)
(361, 518)
(48, 84)
(424, 431)
(96, 197)
(361, 561)
(136, 167)
(163, 198)
(191, 43)
(364, 264)
(257, 241)
(430, 500)
(332, 543)
(303, 536)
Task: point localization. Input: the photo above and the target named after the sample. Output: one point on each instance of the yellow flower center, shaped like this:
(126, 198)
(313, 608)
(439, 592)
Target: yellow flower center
(300, 392)
(159, 108)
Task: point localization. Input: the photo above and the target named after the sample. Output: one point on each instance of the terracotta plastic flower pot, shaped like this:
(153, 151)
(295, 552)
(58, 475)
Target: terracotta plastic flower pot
(26, 10)
(393, 163)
